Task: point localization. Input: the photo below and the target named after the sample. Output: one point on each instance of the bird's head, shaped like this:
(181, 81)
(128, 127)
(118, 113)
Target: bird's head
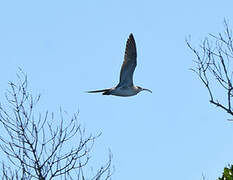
(143, 89)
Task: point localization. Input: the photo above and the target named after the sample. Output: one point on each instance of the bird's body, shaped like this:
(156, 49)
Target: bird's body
(126, 87)
(122, 91)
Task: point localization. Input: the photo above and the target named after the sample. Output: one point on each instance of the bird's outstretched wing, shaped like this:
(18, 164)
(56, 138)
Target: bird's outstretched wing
(129, 64)
(97, 91)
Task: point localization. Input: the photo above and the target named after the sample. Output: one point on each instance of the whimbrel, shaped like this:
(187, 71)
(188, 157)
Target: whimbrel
(126, 87)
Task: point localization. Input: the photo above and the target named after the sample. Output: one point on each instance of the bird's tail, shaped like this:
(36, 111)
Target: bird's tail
(105, 91)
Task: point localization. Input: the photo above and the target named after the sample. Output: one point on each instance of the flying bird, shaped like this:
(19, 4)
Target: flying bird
(126, 87)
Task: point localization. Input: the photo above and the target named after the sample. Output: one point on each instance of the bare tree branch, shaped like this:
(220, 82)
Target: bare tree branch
(42, 146)
(214, 66)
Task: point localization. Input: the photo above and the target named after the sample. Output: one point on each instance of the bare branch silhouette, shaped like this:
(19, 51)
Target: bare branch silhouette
(214, 67)
(43, 146)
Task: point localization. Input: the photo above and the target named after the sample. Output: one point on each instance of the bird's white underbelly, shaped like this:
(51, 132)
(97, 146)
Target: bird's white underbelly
(124, 91)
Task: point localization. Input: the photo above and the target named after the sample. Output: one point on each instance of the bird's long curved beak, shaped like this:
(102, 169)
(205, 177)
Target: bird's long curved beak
(146, 90)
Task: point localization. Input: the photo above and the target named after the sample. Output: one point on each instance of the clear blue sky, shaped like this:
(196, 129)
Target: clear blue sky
(68, 47)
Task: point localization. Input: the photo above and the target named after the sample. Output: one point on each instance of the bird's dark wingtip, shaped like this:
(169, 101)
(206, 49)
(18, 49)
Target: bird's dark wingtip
(131, 38)
(131, 35)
